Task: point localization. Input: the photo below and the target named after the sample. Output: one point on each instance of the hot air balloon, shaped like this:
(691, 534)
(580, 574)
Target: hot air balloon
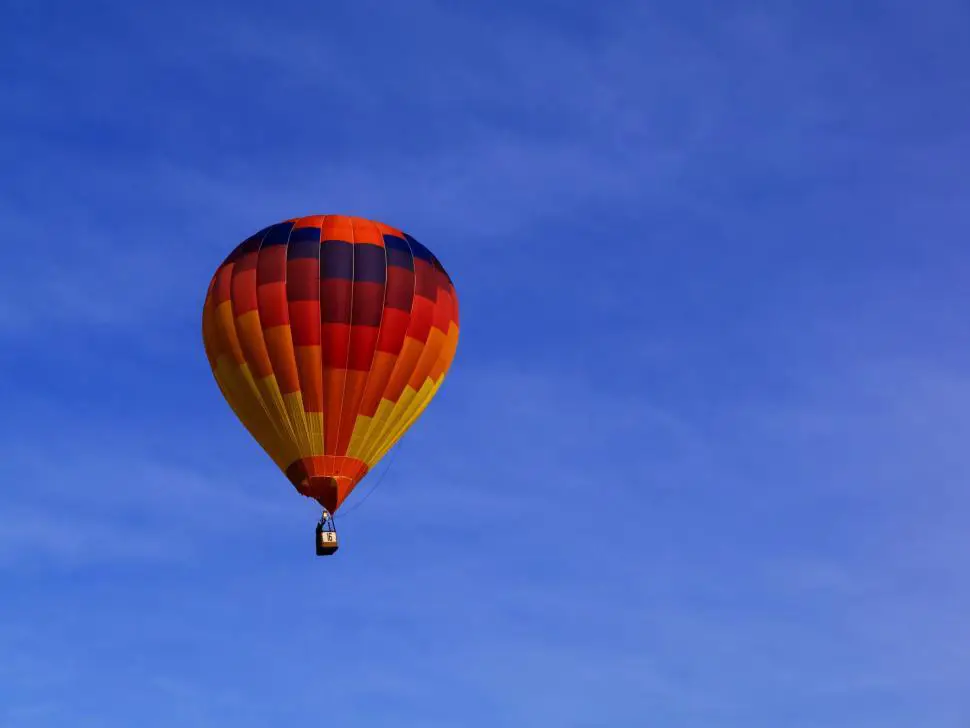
(328, 336)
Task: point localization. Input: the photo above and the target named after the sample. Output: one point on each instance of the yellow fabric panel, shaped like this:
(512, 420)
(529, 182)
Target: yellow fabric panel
(239, 386)
(298, 420)
(374, 437)
(315, 429)
(382, 430)
(415, 357)
(250, 401)
(417, 403)
(270, 391)
(253, 346)
(227, 327)
(366, 443)
(414, 401)
(428, 392)
(358, 440)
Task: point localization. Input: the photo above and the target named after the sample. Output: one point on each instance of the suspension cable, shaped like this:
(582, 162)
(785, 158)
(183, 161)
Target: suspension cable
(358, 504)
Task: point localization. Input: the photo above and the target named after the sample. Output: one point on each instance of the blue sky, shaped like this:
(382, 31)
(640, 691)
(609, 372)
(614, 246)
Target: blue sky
(700, 461)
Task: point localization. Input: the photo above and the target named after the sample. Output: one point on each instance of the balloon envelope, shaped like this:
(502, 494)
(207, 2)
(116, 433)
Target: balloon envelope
(328, 336)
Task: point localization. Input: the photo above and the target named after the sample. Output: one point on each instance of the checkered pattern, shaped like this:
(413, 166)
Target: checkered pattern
(328, 336)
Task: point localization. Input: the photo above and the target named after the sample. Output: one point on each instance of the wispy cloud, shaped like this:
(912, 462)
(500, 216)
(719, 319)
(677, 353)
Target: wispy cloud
(549, 127)
(90, 501)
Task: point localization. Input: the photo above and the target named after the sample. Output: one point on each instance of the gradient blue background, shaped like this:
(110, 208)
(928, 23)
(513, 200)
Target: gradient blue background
(701, 461)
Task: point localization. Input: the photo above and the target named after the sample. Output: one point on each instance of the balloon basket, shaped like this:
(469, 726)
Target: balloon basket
(327, 542)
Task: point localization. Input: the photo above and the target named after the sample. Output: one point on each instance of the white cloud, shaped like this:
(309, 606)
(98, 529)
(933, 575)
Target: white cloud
(97, 503)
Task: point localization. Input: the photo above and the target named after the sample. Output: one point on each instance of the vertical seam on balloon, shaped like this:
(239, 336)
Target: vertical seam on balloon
(414, 292)
(296, 359)
(453, 314)
(350, 333)
(208, 312)
(283, 413)
(289, 326)
(206, 307)
(401, 422)
(443, 355)
(323, 423)
(398, 414)
(370, 369)
(452, 319)
(380, 326)
(251, 381)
